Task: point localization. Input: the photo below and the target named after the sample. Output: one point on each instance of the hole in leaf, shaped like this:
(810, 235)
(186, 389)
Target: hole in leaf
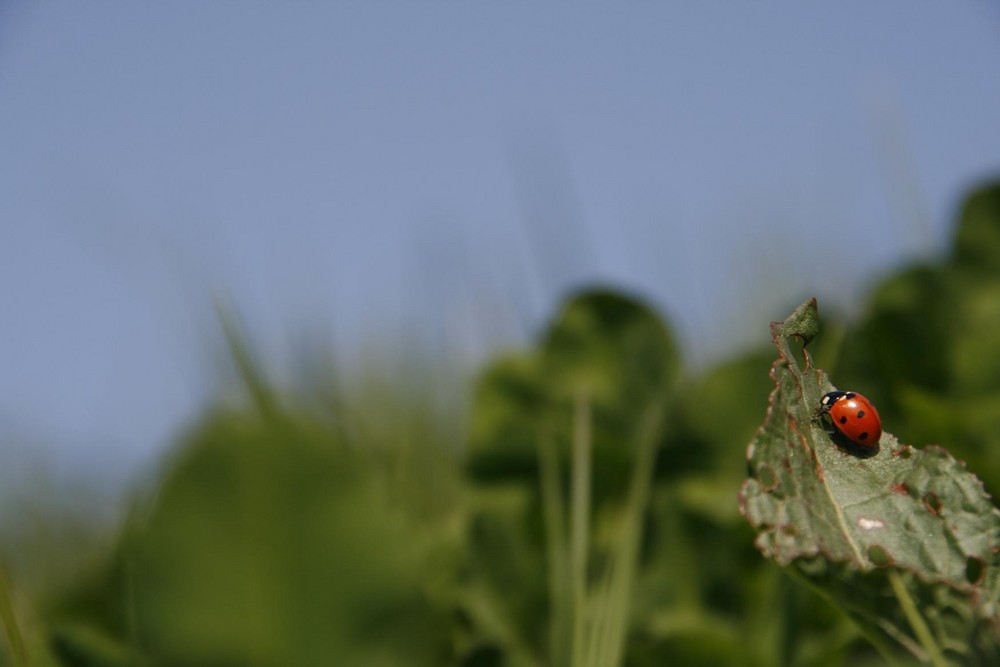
(789, 530)
(768, 479)
(903, 452)
(932, 503)
(975, 568)
(878, 555)
(798, 346)
(484, 656)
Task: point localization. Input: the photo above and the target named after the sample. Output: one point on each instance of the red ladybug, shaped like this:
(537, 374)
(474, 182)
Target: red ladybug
(853, 415)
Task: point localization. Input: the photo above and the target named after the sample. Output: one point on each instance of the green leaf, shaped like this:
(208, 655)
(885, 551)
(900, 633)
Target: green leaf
(703, 442)
(905, 540)
(503, 429)
(270, 544)
(975, 355)
(602, 344)
(613, 348)
(615, 354)
(977, 241)
(81, 644)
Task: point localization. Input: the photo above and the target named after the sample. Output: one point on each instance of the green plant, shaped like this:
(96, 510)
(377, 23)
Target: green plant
(905, 541)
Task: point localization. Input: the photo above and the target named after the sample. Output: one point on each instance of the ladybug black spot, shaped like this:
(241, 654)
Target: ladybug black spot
(843, 420)
(861, 413)
(863, 436)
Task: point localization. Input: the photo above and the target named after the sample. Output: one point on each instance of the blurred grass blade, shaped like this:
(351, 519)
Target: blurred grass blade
(12, 631)
(611, 612)
(917, 623)
(253, 379)
(580, 521)
(560, 629)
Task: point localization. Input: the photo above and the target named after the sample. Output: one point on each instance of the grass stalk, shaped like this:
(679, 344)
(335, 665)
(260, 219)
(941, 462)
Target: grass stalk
(554, 514)
(12, 631)
(917, 623)
(625, 557)
(580, 521)
(251, 375)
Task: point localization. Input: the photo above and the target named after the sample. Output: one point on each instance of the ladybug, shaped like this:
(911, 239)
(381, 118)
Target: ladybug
(854, 416)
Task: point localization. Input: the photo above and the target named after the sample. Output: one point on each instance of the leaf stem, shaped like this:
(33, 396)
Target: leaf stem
(867, 629)
(11, 630)
(579, 521)
(912, 614)
(555, 534)
(626, 554)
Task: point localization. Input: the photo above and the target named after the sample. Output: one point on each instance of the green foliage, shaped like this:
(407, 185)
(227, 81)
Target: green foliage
(602, 345)
(278, 535)
(258, 588)
(587, 513)
(928, 350)
(574, 425)
(11, 628)
(269, 543)
(977, 240)
(840, 516)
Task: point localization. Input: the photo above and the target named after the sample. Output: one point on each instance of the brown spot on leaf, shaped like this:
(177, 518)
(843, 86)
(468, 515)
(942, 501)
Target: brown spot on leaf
(901, 488)
(768, 479)
(793, 426)
(932, 503)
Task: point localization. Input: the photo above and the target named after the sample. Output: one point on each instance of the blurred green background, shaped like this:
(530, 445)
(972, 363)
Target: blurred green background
(578, 509)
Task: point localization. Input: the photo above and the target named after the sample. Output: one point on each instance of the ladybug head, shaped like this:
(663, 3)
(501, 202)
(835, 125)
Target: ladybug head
(832, 397)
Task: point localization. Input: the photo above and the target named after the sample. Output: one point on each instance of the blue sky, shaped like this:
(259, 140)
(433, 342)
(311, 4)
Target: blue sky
(445, 171)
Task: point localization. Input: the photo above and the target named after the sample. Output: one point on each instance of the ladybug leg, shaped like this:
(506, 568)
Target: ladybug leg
(823, 418)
